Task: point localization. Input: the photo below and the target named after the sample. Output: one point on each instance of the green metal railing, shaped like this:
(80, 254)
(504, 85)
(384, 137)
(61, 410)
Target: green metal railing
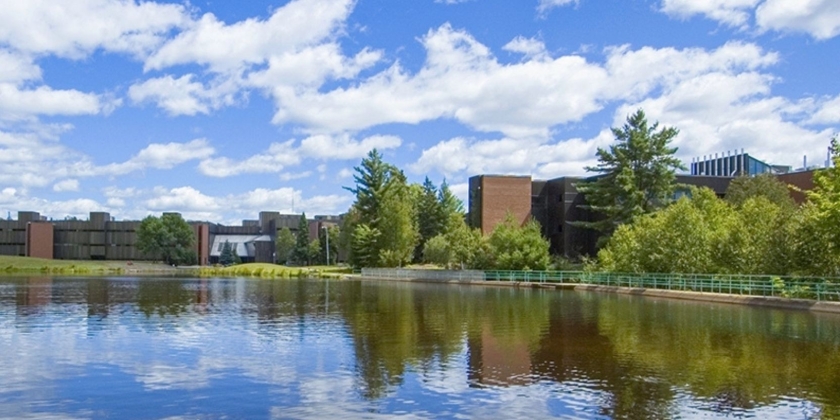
(815, 288)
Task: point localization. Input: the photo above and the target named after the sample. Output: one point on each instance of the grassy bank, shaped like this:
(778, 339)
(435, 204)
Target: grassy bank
(274, 271)
(27, 265)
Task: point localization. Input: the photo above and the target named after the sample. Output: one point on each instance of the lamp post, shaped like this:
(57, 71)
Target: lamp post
(327, 234)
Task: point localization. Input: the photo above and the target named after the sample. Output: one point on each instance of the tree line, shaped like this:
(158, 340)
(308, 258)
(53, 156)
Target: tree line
(393, 223)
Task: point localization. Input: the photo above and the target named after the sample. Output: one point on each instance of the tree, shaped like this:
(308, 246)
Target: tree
(383, 215)
(397, 224)
(818, 248)
(764, 185)
(636, 175)
(283, 245)
(227, 255)
(450, 204)
(430, 220)
(300, 253)
(169, 238)
(519, 248)
(314, 252)
(437, 251)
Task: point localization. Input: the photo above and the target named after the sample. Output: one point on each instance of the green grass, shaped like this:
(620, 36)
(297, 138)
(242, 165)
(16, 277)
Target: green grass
(274, 271)
(13, 265)
(27, 265)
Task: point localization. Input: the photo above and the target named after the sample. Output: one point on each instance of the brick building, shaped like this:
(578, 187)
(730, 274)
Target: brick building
(556, 204)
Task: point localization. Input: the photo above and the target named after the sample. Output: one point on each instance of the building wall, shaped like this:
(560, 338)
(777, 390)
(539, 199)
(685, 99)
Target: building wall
(498, 196)
(13, 234)
(802, 180)
(39, 240)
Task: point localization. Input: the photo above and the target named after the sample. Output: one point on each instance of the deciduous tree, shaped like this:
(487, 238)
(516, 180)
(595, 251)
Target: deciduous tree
(169, 238)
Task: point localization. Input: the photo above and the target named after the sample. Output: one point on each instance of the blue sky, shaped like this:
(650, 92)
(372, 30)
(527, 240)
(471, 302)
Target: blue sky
(221, 109)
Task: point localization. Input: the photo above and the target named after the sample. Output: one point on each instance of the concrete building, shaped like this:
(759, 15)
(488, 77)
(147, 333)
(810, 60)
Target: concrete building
(102, 238)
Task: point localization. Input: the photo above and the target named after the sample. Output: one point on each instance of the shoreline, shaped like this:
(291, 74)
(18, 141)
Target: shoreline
(748, 300)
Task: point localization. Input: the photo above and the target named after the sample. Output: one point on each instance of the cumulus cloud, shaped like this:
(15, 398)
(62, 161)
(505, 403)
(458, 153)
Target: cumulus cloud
(529, 47)
(66, 185)
(546, 5)
(196, 205)
(817, 18)
(223, 47)
(16, 103)
(280, 156)
(160, 156)
(728, 12)
(721, 100)
(184, 95)
(344, 147)
(48, 27)
(274, 160)
(460, 80)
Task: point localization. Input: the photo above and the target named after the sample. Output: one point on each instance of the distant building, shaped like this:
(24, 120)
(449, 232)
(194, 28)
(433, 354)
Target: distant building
(102, 238)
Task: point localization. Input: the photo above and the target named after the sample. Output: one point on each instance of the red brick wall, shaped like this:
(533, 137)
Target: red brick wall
(802, 180)
(503, 194)
(39, 240)
(202, 243)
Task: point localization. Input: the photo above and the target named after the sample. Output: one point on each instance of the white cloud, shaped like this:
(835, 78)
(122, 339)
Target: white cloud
(274, 160)
(828, 112)
(160, 156)
(529, 47)
(16, 68)
(546, 5)
(729, 12)
(184, 199)
(76, 28)
(184, 96)
(461, 80)
(223, 47)
(720, 112)
(19, 104)
(344, 147)
(66, 185)
(818, 18)
(509, 156)
(280, 156)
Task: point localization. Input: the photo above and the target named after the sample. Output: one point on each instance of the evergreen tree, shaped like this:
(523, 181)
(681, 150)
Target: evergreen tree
(314, 254)
(449, 203)
(283, 245)
(385, 208)
(636, 175)
(226, 257)
(300, 253)
(430, 216)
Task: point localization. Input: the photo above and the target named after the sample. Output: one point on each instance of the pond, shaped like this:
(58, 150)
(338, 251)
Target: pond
(211, 348)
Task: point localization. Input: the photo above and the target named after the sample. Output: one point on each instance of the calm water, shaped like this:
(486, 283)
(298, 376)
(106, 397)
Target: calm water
(129, 348)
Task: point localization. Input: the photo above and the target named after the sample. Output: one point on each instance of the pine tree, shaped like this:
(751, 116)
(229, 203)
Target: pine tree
(226, 257)
(300, 253)
(635, 175)
(430, 216)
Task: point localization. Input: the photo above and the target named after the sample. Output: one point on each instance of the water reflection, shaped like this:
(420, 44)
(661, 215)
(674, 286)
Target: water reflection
(193, 347)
